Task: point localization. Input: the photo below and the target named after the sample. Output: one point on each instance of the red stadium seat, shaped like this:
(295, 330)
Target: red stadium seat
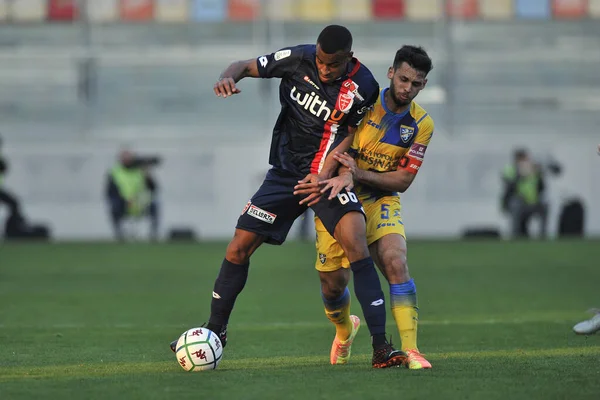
(388, 9)
(244, 10)
(462, 9)
(63, 10)
(569, 9)
(137, 10)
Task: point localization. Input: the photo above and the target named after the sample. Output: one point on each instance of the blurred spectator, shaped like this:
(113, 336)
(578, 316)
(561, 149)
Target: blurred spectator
(523, 194)
(16, 225)
(131, 192)
(5, 196)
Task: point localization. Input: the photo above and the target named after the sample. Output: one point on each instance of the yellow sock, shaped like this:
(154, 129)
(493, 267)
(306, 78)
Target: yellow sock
(338, 312)
(406, 318)
(405, 311)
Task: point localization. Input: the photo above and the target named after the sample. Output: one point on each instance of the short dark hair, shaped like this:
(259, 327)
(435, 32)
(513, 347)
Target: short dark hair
(414, 56)
(334, 38)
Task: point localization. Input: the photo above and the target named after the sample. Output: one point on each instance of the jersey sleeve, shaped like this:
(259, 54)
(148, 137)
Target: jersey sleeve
(359, 110)
(413, 159)
(282, 63)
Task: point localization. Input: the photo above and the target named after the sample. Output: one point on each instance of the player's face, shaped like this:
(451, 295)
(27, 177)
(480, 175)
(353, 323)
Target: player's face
(405, 83)
(332, 66)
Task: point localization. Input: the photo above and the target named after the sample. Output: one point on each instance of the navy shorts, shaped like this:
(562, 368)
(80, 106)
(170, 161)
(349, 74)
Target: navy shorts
(273, 209)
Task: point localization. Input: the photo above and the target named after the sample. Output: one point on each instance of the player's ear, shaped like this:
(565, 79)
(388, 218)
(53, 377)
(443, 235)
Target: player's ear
(350, 54)
(424, 83)
(390, 73)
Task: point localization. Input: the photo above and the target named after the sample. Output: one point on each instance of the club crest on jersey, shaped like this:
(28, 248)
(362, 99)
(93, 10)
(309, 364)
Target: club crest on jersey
(344, 102)
(322, 258)
(406, 133)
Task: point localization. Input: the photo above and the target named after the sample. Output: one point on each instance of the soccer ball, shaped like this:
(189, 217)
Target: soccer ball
(199, 349)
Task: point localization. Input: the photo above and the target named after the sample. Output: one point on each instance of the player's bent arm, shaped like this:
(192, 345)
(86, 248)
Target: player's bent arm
(241, 69)
(395, 181)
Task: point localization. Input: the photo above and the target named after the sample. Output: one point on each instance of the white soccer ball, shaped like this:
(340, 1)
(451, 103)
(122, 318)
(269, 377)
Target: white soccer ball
(199, 349)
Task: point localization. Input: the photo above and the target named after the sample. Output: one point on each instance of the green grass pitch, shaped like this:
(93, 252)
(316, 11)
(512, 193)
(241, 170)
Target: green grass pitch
(93, 321)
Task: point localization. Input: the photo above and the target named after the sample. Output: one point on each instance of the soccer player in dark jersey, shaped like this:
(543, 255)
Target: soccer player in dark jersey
(324, 92)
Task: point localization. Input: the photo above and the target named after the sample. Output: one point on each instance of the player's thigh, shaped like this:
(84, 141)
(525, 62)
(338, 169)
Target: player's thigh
(331, 212)
(273, 209)
(330, 255)
(386, 237)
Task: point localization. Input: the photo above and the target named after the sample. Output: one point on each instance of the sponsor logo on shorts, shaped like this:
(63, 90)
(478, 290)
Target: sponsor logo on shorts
(322, 258)
(216, 295)
(377, 302)
(261, 214)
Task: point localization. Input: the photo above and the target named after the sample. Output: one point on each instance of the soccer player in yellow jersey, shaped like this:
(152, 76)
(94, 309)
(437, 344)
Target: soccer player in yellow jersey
(386, 154)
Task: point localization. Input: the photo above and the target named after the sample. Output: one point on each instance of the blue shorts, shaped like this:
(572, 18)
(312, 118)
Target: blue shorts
(273, 209)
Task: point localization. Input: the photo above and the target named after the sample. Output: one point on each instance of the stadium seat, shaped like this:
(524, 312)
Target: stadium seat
(535, 9)
(569, 9)
(594, 9)
(315, 10)
(496, 9)
(462, 9)
(389, 9)
(280, 10)
(424, 9)
(28, 10)
(353, 10)
(136, 10)
(209, 10)
(103, 10)
(171, 10)
(244, 10)
(4, 8)
(63, 10)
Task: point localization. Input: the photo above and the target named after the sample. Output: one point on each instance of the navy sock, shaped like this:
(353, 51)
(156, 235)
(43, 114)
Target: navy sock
(230, 282)
(368, 292)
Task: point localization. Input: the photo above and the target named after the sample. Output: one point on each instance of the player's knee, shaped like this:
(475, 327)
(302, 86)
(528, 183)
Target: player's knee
(396, 267)
(333, 284)
(238, 253)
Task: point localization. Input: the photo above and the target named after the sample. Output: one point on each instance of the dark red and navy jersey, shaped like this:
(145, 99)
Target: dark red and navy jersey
(314, 116)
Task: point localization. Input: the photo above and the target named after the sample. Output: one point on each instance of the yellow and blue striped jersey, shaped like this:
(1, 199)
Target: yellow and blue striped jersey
(386, 141)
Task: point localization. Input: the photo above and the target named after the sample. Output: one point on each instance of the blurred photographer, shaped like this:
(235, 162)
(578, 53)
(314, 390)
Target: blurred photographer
(523, 193)
(131, 192)
(6, 197)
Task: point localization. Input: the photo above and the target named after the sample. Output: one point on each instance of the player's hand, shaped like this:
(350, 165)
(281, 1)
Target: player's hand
(225, 87)
(337, 183)
(311, 186)
(346, 160)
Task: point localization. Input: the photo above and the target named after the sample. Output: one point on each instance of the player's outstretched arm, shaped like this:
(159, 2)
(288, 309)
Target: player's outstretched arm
(236, 71)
